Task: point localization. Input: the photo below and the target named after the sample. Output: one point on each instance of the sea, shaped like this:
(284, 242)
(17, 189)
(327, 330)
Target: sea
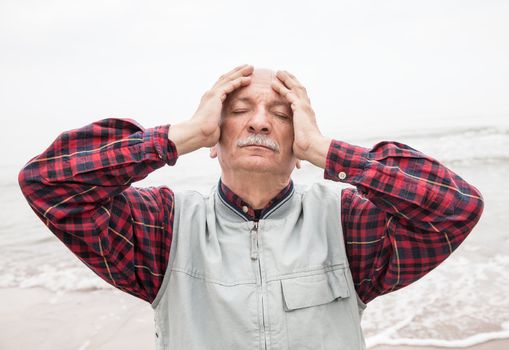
(464, 301)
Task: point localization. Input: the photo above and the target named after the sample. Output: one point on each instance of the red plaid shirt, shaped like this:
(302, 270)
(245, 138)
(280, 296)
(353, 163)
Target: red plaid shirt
(405, 214)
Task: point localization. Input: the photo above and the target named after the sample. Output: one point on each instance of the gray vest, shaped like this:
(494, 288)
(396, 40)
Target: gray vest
(281, 283)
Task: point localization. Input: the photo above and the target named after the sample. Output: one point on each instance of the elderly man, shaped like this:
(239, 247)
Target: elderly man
(259, 263)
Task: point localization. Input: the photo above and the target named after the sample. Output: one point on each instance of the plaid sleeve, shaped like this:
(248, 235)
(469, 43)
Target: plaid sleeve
(80, 187)
(407, 214)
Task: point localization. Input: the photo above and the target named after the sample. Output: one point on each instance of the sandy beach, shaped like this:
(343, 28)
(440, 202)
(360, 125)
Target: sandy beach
(35, 318)
(492, 345)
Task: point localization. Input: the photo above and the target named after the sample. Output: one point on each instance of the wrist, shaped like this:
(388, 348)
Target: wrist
(316, 150)
(187, 137)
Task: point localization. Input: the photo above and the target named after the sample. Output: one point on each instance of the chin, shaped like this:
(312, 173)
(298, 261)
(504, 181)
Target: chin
(258, 165)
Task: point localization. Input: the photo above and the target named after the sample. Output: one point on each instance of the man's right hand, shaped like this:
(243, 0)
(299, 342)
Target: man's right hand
(203, 129)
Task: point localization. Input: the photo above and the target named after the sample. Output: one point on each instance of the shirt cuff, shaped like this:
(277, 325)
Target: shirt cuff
(164, 147)
(345, 162)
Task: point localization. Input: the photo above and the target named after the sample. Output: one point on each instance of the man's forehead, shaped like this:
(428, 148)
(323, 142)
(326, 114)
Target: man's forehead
(261, 81)
(263, 76)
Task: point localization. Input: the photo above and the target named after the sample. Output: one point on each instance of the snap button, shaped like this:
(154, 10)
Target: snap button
(245, 209)
(342, 175)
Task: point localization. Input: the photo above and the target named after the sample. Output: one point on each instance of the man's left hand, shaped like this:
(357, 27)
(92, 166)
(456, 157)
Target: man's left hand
(309, 143)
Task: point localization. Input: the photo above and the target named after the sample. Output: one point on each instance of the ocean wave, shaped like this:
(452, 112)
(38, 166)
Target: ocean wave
(455, 132)
(460, 343)
(461, 303)
(463, 146)
(477, 160)
(59, 276)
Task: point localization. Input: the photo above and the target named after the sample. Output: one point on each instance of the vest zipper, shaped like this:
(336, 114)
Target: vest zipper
(254, 241)
(254, 256)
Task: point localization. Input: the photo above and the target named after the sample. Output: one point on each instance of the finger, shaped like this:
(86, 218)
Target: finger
(237, 83)
(236, 69)
(293, 77)
(244, 70)
(234, 85)
(282, 90)
(225, 83)
(289, 80)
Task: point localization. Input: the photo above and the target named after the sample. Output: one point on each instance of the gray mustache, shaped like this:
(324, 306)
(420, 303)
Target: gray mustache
(259, 140)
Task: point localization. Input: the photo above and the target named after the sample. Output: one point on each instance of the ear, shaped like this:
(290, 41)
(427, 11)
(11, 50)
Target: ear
(297, 164)
(213, 152)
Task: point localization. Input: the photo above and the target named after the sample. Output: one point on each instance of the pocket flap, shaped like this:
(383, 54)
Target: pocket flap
(316, 289)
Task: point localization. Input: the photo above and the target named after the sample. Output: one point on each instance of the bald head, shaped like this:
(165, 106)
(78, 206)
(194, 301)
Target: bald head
(263, 76)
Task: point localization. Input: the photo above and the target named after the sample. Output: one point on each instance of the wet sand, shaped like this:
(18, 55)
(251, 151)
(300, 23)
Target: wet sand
(492, 345)
(35, 318)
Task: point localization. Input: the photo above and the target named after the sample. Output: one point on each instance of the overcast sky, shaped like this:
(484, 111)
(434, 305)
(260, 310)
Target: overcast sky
(366, 64)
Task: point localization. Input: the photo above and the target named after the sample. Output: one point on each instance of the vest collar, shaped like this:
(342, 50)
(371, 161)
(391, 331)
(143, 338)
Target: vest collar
(243, 210)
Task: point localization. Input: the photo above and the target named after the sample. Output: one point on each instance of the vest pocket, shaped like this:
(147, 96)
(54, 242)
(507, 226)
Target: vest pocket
(317, 289)
(318, 312)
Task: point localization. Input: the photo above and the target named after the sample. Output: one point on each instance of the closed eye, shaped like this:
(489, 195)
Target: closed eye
(239, 111)
(281, 115)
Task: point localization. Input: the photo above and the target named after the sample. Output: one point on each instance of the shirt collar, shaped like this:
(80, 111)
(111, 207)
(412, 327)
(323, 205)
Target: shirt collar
(248, 212)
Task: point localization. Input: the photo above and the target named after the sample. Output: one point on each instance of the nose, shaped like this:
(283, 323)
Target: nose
(260, 122)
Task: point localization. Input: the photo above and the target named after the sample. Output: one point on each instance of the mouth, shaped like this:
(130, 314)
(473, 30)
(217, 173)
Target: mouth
(259, 146)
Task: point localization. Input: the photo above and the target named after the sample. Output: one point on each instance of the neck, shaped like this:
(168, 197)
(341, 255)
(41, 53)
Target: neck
(257, 189)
